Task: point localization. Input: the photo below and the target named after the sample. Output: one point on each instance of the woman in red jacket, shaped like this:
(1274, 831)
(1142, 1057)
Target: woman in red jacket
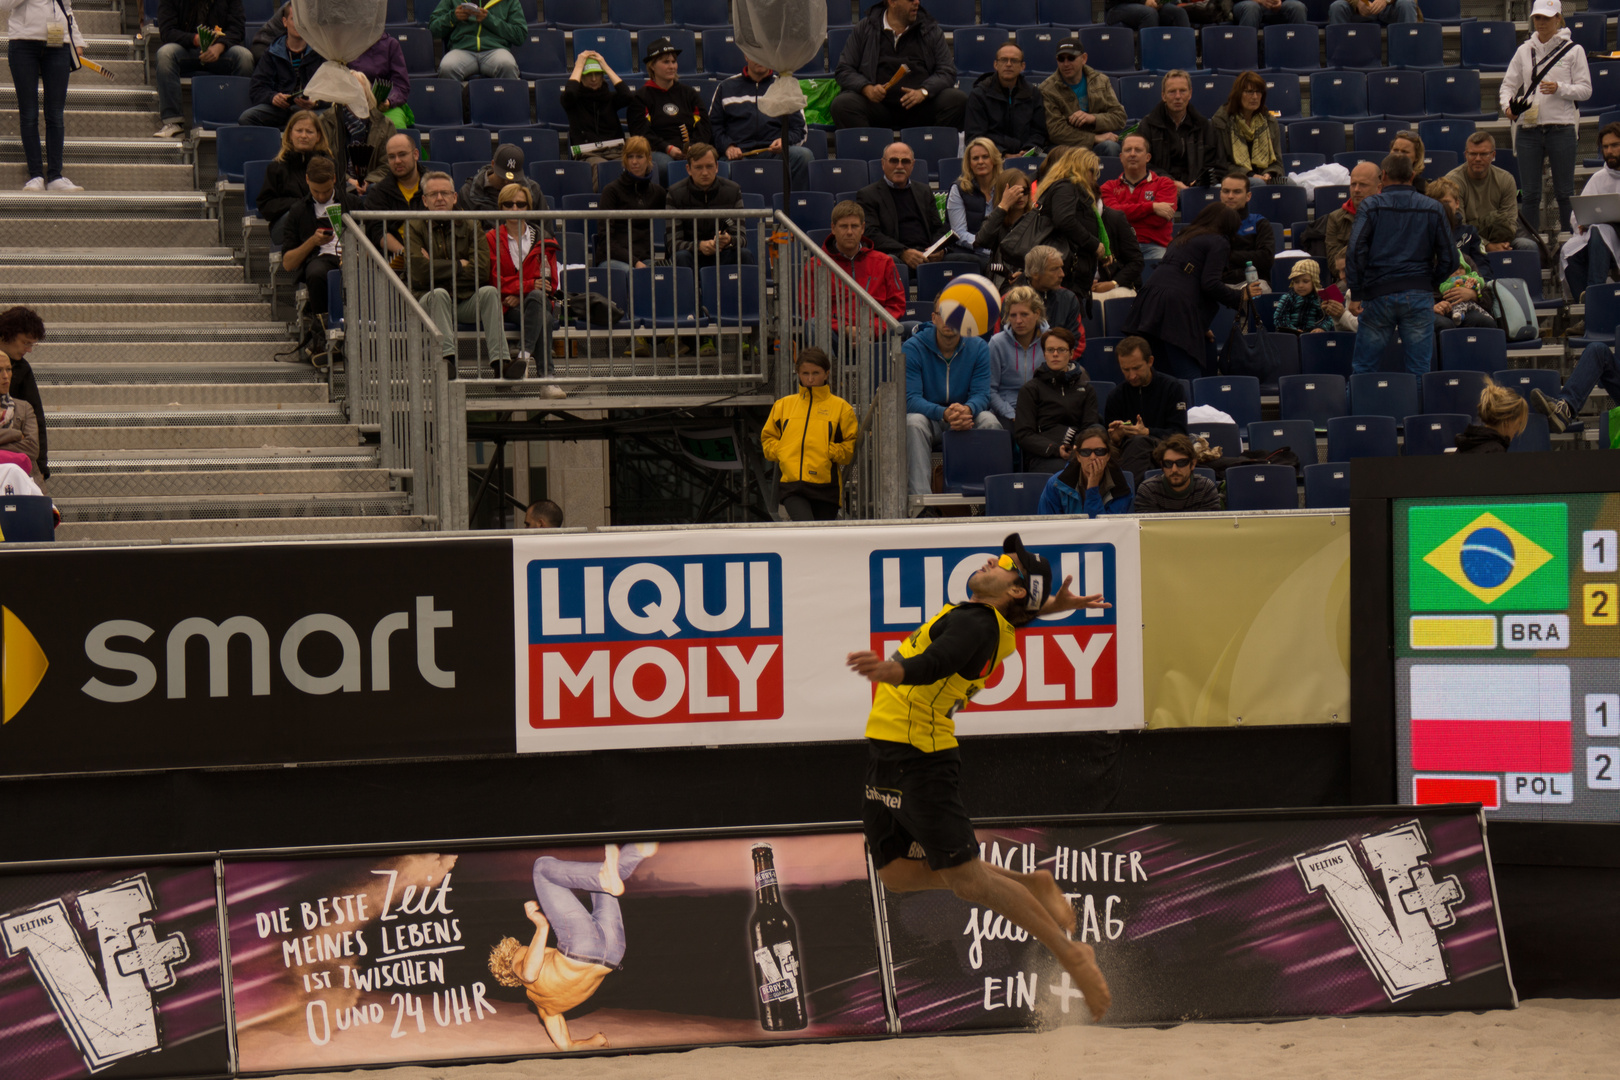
(524, 268)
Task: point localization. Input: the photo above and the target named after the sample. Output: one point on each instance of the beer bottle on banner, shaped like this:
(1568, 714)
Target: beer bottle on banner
(774, 940)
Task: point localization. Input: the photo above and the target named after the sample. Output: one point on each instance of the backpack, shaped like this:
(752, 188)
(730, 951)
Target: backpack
(1508, 301)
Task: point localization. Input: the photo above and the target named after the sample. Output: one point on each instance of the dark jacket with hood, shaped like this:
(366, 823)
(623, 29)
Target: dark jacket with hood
(1254, 243)
(1479, 439)
(284, 184)
(277, 74)
(385, 195)
(1075, 219)
(1012, 119)
(922, 47)
(631, 242)
(723, 194)
(593, 115)
(1049, 404)
(1128, 261)
(657, 116)
(1182, 151)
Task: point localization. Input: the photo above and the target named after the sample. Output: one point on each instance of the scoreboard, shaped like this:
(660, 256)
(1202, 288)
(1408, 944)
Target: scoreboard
(1506, 642)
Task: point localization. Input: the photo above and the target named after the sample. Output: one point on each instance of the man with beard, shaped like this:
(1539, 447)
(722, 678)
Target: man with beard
(1581, 262)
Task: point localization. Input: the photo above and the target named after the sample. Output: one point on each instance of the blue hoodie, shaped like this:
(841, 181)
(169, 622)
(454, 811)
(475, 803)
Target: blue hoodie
(1010, 368)
(932, 382)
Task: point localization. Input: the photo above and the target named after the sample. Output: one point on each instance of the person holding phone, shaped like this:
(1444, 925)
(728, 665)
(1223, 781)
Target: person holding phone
(42, 44)
(315, 249)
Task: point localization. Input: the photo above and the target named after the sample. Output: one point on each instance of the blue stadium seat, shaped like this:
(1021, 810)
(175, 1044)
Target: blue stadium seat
(1064, 12)
(1453, 391)
(1013, 494)
(1303, 162)
(1536, 436)
(1231, 49)
(1238, 396)
(1283, 97)
(613, 284)
(838, 13)
(498, 103)
(456, 144)
(1432, 433)
(837, 38)
(612, 42)
(663, 297)
(463, 171)
(417, 45)
(1262, 487)
(259, 11)
(1444, 12)
(976, 49)
(1293, 49)
(1192, 201)
(1325, 137)
(1376, 134)
(1524, 380)
(1012, 13)
(731, 294)
(1110, 49)
(808, 209)
(218, 100)
(1351, 158)
(1443, 134)
(1605, 89)
(1327, 486)
(972, 455)
(237, 145)
(544, 56)
(706, 14)
(1327, 354)
(1165, 48)
(1438, 162)
(1210, 91)
(952, 14)
(1114, 314)
(1139, 94)
(1397, 95)
(548, 107)
(609, 171)
(862, 144)
(1279, 203)
(1355, 45)
(1415, 45)
(1384, 393)
(1470, 349)
(1589, 30)
(558, 179)
(1602, 315)
(721, 56)
(1228, 438)
(1040, 46)
(1350, 437)
(837, 174)
(1315, 399)
(1339, 95)
(1454, 93)
(933, 277)
(1104, 390)
(437, 103)
(537, 143)
(575, 14)
(1297, 435)
(1488, 46)
(253, 183)
(1100, 360)
(930, 143)
(637, 14)
(763, 177)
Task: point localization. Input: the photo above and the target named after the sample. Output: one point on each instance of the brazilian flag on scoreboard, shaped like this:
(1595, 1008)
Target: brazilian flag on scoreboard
(1507, 557)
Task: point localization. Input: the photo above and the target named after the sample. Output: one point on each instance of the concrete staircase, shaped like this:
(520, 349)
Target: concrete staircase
(169, 415)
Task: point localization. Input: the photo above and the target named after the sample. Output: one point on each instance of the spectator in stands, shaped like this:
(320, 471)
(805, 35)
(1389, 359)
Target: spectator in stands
(1490, 196)
(1336, 297)
(712, 241)
(543, 514)
(21, 329)
(969, 197)
(361, 140)
(1263, 13)
(1147, 199)
(313, 246)
(1248, 135)
(523, 265)
(740, 128)
(385, 62)
(1145, 408)
(401, 189)
(1547, 131)
(1081, 106)
(1043, 270)
(594, 132)
(446, 255)
(811, 437)
(32, 28)
(478, 41)
(1177, 304)
(1364, 180)
(1581, 261)
(893, 34)
(1176, 490)
(1470, 245)
(1054, 401)
(1091, 483)
(665, 111)
(1004, 108)
(302, 141)
(19, 427)
(485, 188)
(1456, 303)
(1409, 144)
(1181, 142)
(1070, 197)
(902, 218)
(947, 386)
(277, 90)
(1015, 354)
(269, 33)
(1400, 252)
(1503, 415)
(1009, 202)
(1596, 366)
(630, 244)
(1142, 15)
(183, 53)
(851, 250)
(1119, 268)
(1299, 310)
(1382, 12)
(1255, 242)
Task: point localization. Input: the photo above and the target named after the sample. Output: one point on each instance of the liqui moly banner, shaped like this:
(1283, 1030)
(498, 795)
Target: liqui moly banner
(629, 639)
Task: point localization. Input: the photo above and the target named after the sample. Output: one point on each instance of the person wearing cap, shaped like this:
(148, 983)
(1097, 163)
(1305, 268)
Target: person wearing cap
(918, 832)
(482, 191)
(665, 111)
(478, 40)
(1546, 131)
(896, 34)
(1382, 12)
(1004, 108)
(1299, 310)
(1081, 106)
(741, 128)
(1092, 483)
(593, 98)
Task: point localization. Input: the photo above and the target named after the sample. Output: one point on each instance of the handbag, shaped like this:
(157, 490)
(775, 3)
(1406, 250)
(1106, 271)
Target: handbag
(1250, 351)
(1031, 231)
(1521, 102)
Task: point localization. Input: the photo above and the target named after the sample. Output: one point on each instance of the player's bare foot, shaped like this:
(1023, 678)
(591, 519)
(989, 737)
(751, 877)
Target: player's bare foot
(1080, 961)
(1052, 899)
(612, 884)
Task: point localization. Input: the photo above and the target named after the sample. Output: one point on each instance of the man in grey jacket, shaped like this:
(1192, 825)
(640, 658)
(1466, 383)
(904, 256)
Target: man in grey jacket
(893, 34)
(1094, 122)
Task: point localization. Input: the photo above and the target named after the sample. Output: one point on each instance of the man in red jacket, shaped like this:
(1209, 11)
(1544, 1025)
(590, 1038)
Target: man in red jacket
(1147, 199)
(853, 253)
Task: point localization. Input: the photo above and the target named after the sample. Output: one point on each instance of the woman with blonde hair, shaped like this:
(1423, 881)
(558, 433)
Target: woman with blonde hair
(1070, 197)
(301, 141)
(1014, 351)
(969, 199)
(1248, 134)
(1502, 417)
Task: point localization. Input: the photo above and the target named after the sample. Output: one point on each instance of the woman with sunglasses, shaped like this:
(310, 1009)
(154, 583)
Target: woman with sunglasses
(1091, 483)
(524, 268)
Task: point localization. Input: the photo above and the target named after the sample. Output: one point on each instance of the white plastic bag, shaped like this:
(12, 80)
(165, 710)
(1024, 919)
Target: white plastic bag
(782, 35)
(1330, 175)
(340, 30)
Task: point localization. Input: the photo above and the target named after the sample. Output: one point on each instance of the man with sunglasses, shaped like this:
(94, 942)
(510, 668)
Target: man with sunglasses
(917, 830)
(1176, 489)
(902, 218)
(482, 191)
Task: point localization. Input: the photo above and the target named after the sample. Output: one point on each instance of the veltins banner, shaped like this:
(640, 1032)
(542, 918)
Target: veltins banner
(111, 972)
(635, 639)
(346, 961)
(1202, 918)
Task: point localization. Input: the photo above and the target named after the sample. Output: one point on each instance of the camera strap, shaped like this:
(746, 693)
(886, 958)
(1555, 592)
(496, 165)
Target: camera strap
(1538, 73)
(74, 63)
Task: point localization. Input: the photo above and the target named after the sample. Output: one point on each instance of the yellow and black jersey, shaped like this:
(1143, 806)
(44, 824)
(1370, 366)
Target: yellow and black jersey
(946, 660)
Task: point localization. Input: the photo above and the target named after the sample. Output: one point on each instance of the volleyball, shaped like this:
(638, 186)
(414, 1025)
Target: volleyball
(970, 305)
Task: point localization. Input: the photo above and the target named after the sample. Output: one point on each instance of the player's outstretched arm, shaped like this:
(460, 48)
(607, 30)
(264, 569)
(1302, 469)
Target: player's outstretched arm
(1067, 600)
(869, 665)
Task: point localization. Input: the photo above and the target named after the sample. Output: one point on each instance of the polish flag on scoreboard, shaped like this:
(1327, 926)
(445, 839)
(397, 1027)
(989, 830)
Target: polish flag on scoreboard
(1491, 718)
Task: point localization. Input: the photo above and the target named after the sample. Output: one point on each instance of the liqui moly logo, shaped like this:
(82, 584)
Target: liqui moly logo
(1063, 662)
(660, 640)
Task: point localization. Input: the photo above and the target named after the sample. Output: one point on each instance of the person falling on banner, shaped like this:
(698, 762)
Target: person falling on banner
(589, 943)
(918, 831)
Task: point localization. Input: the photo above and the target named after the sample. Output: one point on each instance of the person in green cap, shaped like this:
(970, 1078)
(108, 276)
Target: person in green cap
(594, 132)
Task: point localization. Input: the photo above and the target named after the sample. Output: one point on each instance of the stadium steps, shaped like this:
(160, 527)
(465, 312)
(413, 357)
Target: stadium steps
(123, 70)
(109, 176)
(143, 150)
(98, 395)
(103, 22)
(249, 482)
(95, 123)
(72, 231)
(188, 436)
(236, 528)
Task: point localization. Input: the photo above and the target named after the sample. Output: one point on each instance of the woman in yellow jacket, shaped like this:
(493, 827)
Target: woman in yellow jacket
(811, 436)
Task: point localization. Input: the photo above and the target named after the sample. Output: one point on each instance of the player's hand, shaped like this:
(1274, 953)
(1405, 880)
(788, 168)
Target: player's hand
(1067, 600)
(869, 665)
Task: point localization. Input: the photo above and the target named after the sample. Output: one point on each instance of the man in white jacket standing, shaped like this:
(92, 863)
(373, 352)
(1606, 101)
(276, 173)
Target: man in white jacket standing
(1549, 78)
(1589, 255)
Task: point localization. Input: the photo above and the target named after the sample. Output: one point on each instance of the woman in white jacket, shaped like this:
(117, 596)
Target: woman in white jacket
(1547, 130)
(42, 36)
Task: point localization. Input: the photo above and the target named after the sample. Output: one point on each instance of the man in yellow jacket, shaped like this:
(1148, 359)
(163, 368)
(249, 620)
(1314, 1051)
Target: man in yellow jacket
(811, 437)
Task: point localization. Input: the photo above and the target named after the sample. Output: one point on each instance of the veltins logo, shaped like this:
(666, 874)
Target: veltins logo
(1400, 942)
(1496, 558)
(659, 640)
(22, 664)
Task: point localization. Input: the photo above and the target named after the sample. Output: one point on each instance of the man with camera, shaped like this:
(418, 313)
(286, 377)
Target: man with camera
(315, 245)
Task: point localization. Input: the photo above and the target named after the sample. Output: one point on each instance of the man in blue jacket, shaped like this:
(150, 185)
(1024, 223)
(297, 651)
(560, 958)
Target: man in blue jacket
(947, 386)
(739, 126)
(897, 33)
(1400, 251)
(183, 52)
(277, 90)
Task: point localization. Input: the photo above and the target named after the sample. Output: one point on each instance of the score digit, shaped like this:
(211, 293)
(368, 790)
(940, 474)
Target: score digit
(1600, 554)
(1603, 715)
(1603, 768)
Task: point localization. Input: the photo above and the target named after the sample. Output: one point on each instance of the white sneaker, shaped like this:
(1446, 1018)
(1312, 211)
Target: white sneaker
(553, 391)
(62, 183)
(36, 184)
(169, 130)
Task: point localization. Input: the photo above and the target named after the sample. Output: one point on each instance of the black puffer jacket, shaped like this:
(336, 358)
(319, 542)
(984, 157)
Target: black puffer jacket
(1182, 152)
(630, 242)
(1048, 405)
(284, 184)
(923, 48)
(1479, 439)
(1012, 119)
(723, 194)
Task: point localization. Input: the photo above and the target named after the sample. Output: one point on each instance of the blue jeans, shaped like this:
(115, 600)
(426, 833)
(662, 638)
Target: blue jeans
(1596, 365)
(464, 64)
(1410, 312)
(1400, 11)
(591, 937)
(1141, 17)
(1588, 266)
(1250, 13)
(922, 435)
(175, 62)
(1556, 144)
(1109, 148)
(32, 61)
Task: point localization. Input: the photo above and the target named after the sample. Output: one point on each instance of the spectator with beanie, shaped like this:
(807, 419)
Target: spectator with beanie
(1081, 106)
(1299, 310)
(665, 111)
(1144, 409)
(483, 189)
(810, 435)
(314, 247)
(38, 55)
(594, 132)
(1056, 400)
(902, 218)
(21, 329)
(1176, 490)
(741, 128)
(478, 41)
(277, 90)
(896, 34)
(183, 52)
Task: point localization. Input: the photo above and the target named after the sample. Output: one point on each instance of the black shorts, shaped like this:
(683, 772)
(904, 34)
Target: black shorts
(914, 806)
